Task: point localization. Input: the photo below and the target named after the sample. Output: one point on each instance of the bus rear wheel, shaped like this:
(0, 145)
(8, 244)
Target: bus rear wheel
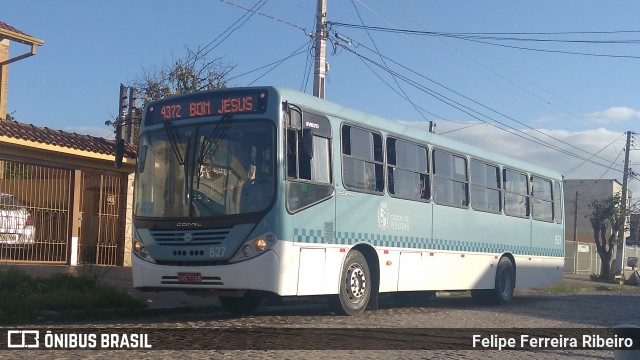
(505, 282)
(242, 305)
(355, 286)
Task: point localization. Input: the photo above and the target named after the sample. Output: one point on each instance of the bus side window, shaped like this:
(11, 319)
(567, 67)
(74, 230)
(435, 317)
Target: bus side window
(542, 199)
(308, 163)
(516, 193)
(407, 170)
(450, 179)
(485, 187)
(557, 202)
(362, 160)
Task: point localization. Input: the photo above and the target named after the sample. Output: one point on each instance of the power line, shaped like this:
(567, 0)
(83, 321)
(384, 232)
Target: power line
(268, 16)
(469, 111)
(601, 150)
(232, 28)
(565, 114)
(405, 96)
(298, 52)
(281, 61)
(478, 103)
(483, 40)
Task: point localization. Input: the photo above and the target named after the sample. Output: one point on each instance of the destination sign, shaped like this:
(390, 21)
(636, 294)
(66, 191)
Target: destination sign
(207, 104)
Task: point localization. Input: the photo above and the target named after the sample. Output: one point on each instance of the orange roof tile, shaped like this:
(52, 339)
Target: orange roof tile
(44, 135)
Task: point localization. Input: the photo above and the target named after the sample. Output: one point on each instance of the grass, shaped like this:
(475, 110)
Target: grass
(25, 298)
(587, 287)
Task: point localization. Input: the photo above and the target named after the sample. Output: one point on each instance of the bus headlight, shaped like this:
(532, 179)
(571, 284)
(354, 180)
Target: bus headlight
(254, 247)
(141, 251)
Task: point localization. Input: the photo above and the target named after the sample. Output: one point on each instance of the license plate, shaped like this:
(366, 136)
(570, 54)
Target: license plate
(189, 277)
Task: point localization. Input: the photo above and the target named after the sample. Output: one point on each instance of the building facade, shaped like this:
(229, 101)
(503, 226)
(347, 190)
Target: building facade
(75, 204)
(578, 194)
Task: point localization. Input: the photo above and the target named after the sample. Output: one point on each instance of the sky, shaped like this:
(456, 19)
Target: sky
(488, 91)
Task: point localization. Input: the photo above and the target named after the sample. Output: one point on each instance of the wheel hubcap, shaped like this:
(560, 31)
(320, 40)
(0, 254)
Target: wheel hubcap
(357, 283)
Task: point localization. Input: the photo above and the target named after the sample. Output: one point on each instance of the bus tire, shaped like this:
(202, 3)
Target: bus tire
(355, 286)
(505, 281)
(244, 305)
(502, 293)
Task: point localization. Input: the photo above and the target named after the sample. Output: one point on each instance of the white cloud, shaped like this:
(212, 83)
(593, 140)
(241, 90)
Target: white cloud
(593, 141)
(614, 115)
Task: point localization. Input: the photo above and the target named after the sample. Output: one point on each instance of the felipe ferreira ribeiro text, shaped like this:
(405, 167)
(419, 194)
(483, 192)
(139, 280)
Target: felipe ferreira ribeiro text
(593, 341)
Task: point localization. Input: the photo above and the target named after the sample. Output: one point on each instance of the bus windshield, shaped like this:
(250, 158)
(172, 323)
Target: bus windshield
(206, 170)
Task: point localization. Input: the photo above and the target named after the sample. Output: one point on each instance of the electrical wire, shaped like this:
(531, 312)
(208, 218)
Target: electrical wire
(478, 103)
(484, 40)
(270, 64)
(268, 16)
(232, 28)
(601, 150)
(405, 96)
(469, 111)
(280, 62)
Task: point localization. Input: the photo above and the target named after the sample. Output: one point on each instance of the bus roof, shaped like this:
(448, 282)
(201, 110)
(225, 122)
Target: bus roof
(408, 132)
(322, 106)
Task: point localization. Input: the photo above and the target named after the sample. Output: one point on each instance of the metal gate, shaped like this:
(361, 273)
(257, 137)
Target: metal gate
(35, 210)
(101, 226)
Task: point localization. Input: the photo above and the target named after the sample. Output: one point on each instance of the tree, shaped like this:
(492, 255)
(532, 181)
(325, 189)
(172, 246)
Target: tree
(193, 72)
(605, 214)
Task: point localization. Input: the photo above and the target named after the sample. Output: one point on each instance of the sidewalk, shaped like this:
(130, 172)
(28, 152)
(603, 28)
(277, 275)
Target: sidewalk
(120, 277)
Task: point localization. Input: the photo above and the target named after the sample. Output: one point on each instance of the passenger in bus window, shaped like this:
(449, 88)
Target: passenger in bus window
(257, 192)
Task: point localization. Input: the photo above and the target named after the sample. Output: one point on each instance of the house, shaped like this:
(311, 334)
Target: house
(79, 203)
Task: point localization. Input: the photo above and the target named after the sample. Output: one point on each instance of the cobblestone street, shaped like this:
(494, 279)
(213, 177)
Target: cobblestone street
(530, 309)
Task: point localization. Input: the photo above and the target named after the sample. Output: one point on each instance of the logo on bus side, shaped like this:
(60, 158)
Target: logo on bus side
(383, 219)
(388, 220)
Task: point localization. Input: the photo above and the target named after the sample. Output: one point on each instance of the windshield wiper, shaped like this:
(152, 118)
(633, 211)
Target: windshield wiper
(211, 143)
(174, 142)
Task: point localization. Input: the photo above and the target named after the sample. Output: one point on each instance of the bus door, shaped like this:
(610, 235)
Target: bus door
(310, 195)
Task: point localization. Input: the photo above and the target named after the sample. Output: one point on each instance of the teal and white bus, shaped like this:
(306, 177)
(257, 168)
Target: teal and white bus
(245, 192)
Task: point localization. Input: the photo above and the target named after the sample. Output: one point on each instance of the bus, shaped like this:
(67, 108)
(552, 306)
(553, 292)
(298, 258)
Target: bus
(243, 193)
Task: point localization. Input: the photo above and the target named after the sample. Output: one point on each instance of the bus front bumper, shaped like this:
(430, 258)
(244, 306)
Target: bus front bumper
(259, 273)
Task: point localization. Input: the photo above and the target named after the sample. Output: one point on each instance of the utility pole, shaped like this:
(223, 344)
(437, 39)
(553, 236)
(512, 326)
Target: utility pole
(575, 220)
(128, 137)
(620, 263)
(575, 233)
(320, 62)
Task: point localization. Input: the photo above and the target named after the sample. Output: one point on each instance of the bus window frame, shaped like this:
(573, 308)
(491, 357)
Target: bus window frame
(381, 163)
(466, 182)
(534, 198)
(291, 181)
(557, 202)
(506, 192)
(388, 165)
(485, 187)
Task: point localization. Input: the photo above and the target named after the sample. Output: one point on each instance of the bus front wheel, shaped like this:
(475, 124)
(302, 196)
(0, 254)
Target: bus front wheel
(355, 286)
(242, 305)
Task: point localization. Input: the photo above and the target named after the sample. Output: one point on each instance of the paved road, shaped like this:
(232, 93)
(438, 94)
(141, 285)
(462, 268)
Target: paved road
(534, 310)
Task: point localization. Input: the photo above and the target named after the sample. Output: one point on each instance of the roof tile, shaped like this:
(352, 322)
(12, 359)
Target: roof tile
(44, 135)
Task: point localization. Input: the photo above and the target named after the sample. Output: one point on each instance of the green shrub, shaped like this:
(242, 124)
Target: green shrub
(25, 298)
